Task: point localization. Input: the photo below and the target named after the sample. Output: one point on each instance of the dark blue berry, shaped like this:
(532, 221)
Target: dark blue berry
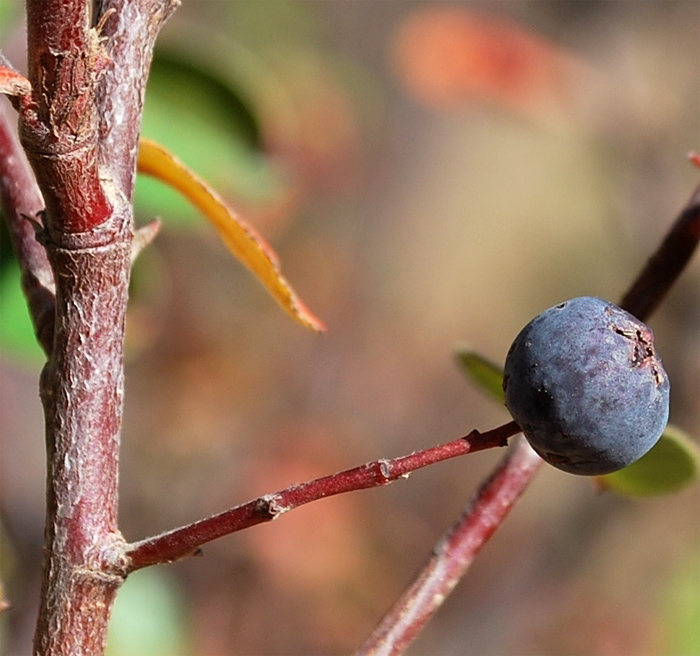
(585, 385)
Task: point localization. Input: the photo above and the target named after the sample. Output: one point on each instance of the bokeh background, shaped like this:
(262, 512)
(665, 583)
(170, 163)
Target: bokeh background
(431, 174)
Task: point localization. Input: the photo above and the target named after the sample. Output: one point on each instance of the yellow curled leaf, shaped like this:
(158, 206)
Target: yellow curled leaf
(244, 242)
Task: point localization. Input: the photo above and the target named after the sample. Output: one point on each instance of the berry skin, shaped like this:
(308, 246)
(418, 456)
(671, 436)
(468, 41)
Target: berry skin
(585, 385)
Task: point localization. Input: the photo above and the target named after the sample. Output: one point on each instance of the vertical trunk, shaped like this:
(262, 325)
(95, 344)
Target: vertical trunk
(84, 161)
(87, 234)
(82, 390)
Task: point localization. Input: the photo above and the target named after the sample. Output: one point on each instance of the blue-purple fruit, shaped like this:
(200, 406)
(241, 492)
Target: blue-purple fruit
(586, 386)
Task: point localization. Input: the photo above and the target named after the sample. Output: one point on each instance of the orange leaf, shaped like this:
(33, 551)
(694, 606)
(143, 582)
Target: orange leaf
(449, 55)
(246, 244)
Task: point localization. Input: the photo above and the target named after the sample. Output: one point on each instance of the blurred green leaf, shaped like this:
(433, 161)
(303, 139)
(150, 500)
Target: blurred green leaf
(671, 465)
(9, 16)
(7, 254)
(241, 121)
(682, 610)
(217, 135)
(147, 619)
(17, 338)
(484, 374)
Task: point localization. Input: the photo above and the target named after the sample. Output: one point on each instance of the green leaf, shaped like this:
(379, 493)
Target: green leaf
(241, 120)
(147, 619)
(484, 374)
(9, 16)
(17, 338)
(671, 465)
(681, 610)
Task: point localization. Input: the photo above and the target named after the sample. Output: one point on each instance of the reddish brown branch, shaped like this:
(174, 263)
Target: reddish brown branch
(184, 541)
(667, 263)
(87, 233)
(130, 31)
(58, 124)
(21, 198)
(454, 553)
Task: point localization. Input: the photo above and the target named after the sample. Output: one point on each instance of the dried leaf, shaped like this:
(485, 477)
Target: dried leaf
(450, 55)
(244, 242)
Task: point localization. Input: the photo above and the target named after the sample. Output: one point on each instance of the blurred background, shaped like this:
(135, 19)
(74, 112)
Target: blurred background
(431, 174)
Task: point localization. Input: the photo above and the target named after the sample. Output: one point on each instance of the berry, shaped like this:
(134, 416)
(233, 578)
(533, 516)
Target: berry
(585, 385)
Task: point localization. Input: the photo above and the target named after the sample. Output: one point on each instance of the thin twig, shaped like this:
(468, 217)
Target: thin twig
(667, 263)
(454, 553)
(186, 540)
(21, 203)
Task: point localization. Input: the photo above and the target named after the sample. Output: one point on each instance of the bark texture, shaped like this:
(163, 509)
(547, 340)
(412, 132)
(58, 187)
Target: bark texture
(80, 129)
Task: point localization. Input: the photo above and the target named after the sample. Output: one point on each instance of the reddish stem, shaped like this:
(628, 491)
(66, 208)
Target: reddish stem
(81, 391)
(88, 230)
(130, 29)
(667, 263)
(454, 553)
(58, 125)
(187, 539)
(20, 198)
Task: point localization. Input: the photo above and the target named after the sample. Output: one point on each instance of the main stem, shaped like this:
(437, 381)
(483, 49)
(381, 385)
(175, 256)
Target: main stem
(82, 390)
(87, 232)
(82, 78)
